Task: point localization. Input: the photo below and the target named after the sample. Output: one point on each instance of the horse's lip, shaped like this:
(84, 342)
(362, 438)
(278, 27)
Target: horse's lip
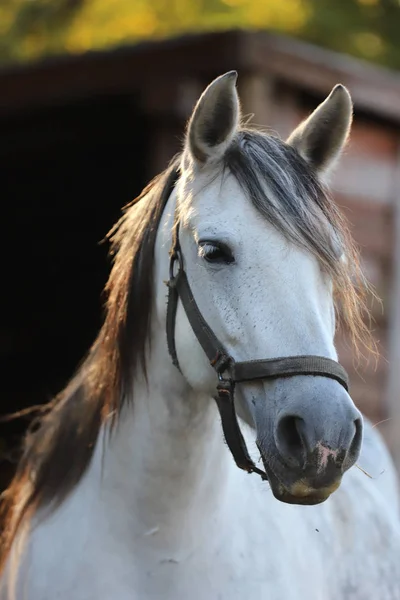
(300, 493)
(310, 500)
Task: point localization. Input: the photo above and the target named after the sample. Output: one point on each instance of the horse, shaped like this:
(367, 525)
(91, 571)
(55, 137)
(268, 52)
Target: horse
(127, 487)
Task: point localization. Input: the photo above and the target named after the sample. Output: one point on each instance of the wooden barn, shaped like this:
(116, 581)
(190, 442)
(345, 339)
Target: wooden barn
(80, 136)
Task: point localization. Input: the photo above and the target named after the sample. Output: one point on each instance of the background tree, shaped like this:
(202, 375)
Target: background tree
(30, 29)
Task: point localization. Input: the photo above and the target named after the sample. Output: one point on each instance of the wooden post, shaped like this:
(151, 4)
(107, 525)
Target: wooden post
(256, 98)
(393, 387)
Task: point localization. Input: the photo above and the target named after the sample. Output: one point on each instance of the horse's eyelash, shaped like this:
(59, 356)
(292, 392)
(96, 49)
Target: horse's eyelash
(206, 247)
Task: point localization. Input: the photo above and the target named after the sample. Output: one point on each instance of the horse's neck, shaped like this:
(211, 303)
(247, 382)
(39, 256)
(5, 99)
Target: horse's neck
(166, 470)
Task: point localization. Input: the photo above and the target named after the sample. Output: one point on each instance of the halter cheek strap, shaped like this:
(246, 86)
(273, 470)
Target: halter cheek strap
(178, 288)
(228, 370)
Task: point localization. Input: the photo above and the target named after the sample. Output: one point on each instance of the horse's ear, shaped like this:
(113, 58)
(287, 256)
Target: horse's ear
(214, 120)
(321, 138)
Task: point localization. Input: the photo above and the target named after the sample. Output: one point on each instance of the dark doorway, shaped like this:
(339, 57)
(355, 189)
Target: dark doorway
(66, 171)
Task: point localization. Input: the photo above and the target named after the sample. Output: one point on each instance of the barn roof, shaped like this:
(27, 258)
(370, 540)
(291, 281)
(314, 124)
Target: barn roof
(309, 68)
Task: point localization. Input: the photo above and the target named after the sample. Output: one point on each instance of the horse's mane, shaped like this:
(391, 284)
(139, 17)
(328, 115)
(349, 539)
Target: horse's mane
(59, 446)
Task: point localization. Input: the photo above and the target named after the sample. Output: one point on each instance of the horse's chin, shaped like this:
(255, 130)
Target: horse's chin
(310, 500)
(300, 492)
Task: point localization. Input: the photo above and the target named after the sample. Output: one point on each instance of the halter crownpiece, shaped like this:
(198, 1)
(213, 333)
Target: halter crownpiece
(229, 371)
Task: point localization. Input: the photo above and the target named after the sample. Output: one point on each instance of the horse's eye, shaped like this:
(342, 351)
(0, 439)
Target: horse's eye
(216, 252)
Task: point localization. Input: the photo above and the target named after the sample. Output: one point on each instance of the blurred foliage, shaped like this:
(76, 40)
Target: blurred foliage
(30, 29)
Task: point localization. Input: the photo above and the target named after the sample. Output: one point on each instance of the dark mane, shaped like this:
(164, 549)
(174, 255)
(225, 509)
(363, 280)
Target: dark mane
(59, 448)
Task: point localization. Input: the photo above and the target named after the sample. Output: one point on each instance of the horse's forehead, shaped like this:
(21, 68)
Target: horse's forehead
(221, 202)
(220, 206)
(215, 191)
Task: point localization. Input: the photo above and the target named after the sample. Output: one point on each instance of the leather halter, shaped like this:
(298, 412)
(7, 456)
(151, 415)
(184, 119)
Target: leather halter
(229, 371)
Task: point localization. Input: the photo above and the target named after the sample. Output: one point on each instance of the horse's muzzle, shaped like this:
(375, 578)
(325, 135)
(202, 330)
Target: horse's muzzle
(308, 439)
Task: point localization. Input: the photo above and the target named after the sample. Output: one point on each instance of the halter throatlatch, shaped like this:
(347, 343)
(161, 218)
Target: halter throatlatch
(229, 371)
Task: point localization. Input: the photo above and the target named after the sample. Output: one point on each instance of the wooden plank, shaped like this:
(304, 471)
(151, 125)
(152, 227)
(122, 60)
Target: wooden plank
(369, 177)
(368, 399)
(257, 98)
(393, 382)
(368, 167)
(371, 224)
(373, 139)
(287, 114)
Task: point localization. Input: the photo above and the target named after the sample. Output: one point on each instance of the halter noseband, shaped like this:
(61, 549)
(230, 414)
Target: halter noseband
(229, 371)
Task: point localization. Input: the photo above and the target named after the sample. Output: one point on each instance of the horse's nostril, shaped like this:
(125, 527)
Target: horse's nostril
(355, 446)
(308, 442)
(290, 440)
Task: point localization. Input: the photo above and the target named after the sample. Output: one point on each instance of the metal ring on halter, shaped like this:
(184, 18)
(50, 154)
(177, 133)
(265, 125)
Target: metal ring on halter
(175, 256)
(221, 377)
(225, 387)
